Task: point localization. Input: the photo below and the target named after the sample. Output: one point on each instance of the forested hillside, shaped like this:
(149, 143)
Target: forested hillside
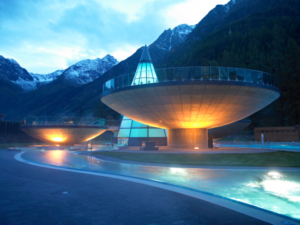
(268, 40)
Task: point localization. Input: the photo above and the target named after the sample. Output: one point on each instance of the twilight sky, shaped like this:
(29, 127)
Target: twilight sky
(47, 35)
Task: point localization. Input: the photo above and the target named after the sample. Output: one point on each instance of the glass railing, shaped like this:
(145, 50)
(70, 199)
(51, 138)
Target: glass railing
(200, 73)
(67, 121)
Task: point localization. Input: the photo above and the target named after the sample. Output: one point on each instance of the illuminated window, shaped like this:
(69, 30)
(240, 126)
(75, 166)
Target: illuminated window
(124, 133)
(137, 124)
(139, 133)
(126, 124)
(157, 133)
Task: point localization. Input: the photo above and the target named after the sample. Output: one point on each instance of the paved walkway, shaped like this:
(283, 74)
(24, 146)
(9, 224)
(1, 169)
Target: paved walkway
(35, 195)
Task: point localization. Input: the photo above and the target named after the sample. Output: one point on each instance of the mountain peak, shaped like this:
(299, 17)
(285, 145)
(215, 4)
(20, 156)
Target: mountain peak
(88, 70)
(172, 37)
(110, 58)
(11, 71)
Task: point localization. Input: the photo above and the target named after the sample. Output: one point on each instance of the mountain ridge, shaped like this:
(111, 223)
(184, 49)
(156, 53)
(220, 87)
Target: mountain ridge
(82, 72)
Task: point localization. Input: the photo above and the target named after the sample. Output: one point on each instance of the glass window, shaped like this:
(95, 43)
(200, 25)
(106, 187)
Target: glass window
(139, 132)
(254, 76)
(143, 81)
(124, 133)
(125, 118)
(240, 74)
(156, 133)
(232, 73)
(260, 78)
(214, 73)
(130, 77)
(107, 85)
(223, 73)
(139, 68)
(126, 124)
(205, 72)
(150, 81)
(112, 83)
(125, 78)
(143, 73)
(247, 75)
(137, 124)
(148, 70)
(123, 141)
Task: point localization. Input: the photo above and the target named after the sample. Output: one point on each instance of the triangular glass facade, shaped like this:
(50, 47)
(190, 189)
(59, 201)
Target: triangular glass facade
(145, 74)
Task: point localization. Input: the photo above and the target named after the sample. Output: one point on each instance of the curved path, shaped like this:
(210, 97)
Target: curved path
(36, 195)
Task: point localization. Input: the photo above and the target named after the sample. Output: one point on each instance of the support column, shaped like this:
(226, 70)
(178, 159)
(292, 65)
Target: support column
(210, 141)
(188, 138)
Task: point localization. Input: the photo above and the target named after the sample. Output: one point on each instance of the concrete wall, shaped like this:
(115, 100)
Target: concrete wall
(277, 134)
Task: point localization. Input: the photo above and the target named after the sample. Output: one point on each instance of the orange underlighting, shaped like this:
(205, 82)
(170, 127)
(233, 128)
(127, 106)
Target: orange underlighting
(57, 139)
(64, 134)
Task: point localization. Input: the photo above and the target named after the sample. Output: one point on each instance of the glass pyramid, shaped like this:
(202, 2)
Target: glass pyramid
(145, 73)
(132, 132)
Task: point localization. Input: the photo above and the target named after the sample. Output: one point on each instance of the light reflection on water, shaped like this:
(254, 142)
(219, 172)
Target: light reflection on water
(275, 191)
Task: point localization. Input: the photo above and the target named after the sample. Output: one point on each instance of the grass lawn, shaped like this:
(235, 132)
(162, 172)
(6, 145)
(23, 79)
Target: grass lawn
(268, 159)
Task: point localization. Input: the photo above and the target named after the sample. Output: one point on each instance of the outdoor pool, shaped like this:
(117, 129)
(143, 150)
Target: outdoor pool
(276, 191)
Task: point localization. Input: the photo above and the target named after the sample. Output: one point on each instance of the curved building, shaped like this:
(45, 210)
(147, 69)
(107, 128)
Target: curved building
(190, 100)
(133, 133)
(64, 131)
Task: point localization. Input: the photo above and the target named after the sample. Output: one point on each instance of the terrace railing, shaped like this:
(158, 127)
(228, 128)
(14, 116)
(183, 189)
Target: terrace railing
(51, 120)
(199, 73)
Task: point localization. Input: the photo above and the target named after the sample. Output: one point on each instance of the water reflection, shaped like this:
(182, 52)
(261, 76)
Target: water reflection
(275, 191)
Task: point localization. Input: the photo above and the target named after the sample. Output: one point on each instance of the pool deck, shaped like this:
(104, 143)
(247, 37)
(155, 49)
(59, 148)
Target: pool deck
(37, 195)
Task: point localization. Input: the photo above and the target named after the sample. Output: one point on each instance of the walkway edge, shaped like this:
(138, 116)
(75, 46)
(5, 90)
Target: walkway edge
(248, 210)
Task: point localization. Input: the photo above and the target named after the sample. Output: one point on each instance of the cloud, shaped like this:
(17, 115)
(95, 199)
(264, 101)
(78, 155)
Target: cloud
(46, 35)
(190, 11)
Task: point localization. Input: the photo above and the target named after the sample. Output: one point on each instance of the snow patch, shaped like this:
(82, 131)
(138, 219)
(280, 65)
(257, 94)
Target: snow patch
(25, 85)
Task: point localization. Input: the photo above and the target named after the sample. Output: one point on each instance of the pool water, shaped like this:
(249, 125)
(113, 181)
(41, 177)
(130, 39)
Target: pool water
(276, 191)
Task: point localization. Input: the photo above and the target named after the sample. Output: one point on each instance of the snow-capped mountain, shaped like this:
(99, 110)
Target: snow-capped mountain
(10, 70)
(82, 72)
(170, 38)
(88, 70)
(42, 79)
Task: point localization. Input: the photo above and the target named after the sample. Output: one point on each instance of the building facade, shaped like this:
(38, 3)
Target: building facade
(277, 134)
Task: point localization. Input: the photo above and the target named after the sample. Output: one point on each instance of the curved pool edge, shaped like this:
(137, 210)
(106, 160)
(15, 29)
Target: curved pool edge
(244, 208)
